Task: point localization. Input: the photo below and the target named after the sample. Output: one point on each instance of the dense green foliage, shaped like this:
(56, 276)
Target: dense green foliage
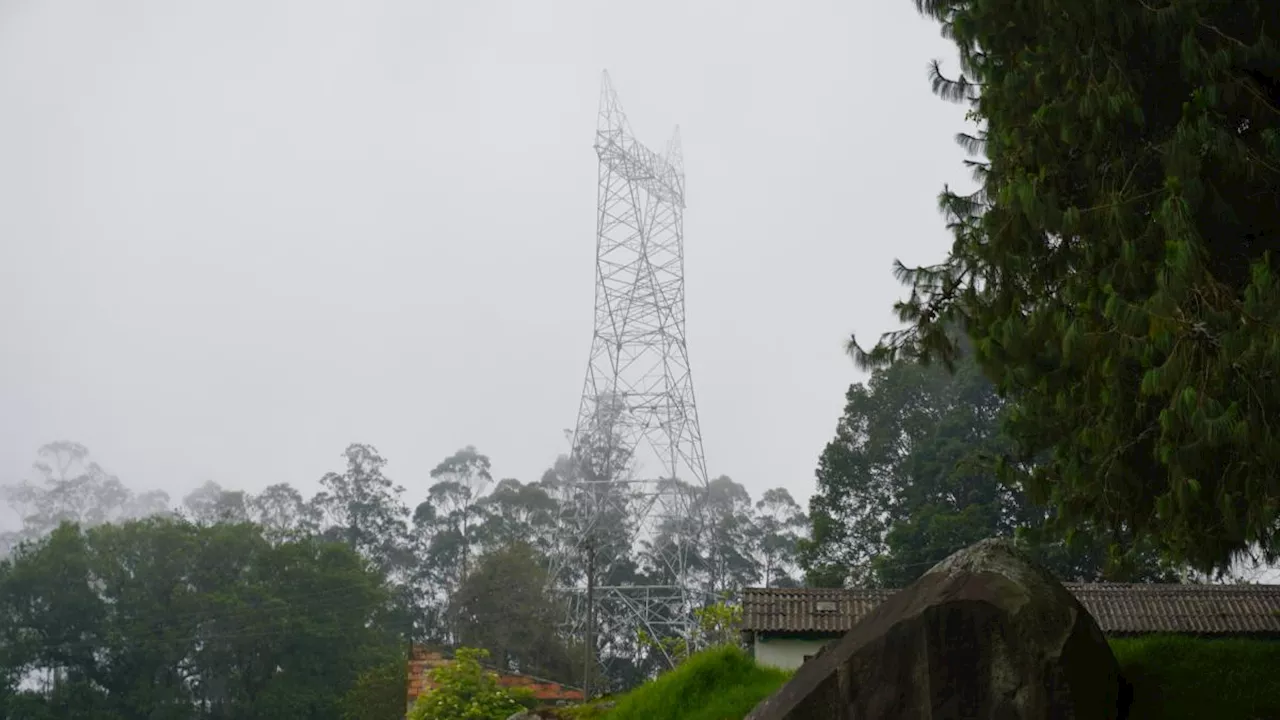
(465, 690)
(165, 619)
(1181, 678)
(467, 563)
(1116, 268)
(378, 693)
(500, 606)
(723, 682)
(909, 479)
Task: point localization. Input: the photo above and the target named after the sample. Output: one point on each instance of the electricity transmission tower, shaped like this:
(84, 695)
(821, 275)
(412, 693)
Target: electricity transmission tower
(637, 472)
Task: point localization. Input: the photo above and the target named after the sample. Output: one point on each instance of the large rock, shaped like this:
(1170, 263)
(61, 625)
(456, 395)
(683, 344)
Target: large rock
(985, 634)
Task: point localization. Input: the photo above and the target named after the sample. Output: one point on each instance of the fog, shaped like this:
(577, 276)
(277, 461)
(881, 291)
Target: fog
(237, 236)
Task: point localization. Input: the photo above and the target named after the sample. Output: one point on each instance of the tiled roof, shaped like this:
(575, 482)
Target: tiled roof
(807, 609)
(1190, 609)
(1119, 608)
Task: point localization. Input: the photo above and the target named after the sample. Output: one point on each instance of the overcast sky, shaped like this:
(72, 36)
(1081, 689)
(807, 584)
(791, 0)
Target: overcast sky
(237, 235)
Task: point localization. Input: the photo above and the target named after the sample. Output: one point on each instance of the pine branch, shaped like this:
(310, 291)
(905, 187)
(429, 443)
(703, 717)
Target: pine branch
(940, 9)
(978, 170)
(959, 90)
(972, 144)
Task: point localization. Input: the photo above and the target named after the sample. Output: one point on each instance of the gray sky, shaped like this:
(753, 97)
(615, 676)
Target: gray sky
(237, 235)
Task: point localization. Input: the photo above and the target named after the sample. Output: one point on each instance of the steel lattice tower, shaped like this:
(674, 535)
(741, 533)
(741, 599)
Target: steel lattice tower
(637, 464)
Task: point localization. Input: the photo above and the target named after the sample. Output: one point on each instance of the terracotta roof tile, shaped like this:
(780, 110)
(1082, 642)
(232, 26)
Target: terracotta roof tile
(807, 609)
(1190, 609)
(1119, 608)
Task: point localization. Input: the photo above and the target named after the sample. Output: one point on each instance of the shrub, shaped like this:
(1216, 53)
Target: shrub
(1180, 677)
(378, 693)
(464, 690)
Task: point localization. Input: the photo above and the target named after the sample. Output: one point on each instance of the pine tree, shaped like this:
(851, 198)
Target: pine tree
(909, 479)
(1116, 269)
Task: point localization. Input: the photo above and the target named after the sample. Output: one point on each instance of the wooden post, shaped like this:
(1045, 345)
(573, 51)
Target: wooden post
(588, 650)
(408, 673)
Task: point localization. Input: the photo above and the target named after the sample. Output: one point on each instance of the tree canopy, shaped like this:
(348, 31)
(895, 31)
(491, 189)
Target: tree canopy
(162, 618)
(503, 608)
(1116, 266)
(910, 478)
(469, 564)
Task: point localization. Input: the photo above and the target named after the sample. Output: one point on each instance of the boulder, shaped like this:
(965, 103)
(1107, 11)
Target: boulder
(984, 635)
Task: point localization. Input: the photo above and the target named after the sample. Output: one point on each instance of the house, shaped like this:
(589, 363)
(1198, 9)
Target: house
(785, 627)
(423, 660)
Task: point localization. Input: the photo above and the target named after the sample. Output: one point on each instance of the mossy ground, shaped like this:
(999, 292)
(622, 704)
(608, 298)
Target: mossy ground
(1174, 678)
(1183, 678)
(719, 684)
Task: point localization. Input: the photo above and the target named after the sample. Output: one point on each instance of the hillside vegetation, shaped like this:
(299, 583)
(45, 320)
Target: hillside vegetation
(1180, 678)
(1174, 678)
(718, 684)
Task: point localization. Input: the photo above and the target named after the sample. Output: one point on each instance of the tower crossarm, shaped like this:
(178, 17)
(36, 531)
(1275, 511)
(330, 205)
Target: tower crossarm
(637, 163)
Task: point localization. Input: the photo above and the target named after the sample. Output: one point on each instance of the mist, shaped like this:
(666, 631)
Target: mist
(239, 236)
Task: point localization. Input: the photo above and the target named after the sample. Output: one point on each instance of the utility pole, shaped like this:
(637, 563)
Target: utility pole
(408, 668)
(588, 645)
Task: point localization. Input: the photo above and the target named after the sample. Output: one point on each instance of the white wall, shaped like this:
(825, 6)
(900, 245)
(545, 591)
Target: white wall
(785, 653)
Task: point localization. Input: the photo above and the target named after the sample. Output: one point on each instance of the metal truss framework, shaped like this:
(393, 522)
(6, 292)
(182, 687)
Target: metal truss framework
(637, 399)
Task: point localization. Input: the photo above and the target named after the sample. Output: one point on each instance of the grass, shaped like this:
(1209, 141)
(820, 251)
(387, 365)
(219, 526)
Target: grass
(1174, 678)
(723, 683)
(1177, 678)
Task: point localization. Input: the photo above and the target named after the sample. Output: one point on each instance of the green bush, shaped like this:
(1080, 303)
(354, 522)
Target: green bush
(1177, 678)
(723, 683)
(377, 693)
(464, 690)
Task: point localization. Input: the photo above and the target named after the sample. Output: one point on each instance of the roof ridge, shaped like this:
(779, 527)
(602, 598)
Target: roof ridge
(1258, 587)
(1118, 607)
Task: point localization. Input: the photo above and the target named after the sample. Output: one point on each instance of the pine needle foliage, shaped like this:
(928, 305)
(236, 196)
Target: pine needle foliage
(1117, 268)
